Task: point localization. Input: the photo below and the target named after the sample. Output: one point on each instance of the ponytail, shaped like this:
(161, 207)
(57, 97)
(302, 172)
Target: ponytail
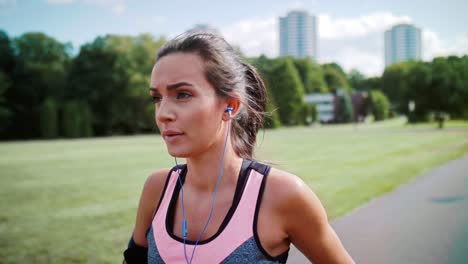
(246, 126)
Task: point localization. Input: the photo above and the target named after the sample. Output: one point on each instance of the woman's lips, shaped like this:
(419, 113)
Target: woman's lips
(172, 138)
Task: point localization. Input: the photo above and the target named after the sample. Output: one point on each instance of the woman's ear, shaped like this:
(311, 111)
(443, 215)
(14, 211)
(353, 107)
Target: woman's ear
(234, 105)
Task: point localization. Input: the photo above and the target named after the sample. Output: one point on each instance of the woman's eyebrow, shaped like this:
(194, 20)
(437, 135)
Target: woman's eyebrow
(173, 86)
(177, 85)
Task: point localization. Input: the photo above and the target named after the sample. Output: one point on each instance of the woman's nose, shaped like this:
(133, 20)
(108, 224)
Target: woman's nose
(164, 111)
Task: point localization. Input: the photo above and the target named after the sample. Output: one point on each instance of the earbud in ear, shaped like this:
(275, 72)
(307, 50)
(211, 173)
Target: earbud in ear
(229, 110)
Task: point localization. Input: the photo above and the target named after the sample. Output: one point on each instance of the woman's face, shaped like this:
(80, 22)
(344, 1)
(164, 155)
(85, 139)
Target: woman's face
(188, 112)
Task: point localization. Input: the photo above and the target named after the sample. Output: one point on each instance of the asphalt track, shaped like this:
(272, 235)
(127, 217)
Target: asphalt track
(423, 221)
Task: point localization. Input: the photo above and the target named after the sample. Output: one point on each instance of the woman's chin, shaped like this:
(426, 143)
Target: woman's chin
(178, 153)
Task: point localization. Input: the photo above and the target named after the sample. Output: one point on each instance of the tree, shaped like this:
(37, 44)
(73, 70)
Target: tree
(265, 68)
(7, 57)
(356, 79)
(49, 119)
(335, 77)
(76, 119)
(120, 66)
(5, 112)
(288, 92)
(459, 82)
(418, 82)
(380, 105)
(336, 67)
(40, 72)
(272, 118)
(372, 83)
(97, 77)
(311, 75)
(394, 85)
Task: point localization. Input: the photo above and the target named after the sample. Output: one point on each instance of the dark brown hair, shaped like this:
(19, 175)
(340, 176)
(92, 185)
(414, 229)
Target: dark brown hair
(232, 78)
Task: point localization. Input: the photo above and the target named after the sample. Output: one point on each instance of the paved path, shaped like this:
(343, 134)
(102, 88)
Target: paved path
(424, 221)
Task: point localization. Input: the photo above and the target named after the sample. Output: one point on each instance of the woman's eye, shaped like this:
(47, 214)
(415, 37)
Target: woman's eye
(156, 99)
(183, 95)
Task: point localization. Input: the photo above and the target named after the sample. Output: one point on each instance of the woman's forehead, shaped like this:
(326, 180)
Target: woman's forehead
(177, 67)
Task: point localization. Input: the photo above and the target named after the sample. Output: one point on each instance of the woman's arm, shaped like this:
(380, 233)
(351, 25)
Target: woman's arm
(307, 225)
(149, 199)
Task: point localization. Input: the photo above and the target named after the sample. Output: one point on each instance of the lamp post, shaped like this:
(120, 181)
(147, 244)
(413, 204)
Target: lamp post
(411, 108)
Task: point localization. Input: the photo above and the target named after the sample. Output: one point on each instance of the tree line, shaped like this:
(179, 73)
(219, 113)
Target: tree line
(45, 92)
(435, 88)
(48, 92)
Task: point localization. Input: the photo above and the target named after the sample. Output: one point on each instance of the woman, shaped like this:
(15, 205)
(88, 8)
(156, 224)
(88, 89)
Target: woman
(222, 206)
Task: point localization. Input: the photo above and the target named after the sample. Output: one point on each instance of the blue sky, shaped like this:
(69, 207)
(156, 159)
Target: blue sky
(350, 32)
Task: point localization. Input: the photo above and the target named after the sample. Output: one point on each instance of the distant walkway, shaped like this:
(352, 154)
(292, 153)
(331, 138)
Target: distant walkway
(424, 221)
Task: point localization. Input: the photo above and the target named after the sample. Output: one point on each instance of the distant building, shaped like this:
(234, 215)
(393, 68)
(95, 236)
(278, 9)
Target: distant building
(328, 105)
(298, 35)
(324, 103)
(402, 43)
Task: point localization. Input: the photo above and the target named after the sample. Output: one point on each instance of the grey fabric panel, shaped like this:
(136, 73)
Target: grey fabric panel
(153, 253)
(248, 252)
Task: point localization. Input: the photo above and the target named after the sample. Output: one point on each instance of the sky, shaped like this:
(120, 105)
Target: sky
(350, 33)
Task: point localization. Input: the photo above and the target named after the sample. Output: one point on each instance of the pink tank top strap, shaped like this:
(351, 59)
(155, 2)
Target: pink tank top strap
(238, 229)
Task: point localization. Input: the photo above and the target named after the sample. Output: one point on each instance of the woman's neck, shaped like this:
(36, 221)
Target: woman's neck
(203, 170)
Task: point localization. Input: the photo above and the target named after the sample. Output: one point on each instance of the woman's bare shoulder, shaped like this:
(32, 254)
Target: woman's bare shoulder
(155, 182)
(285, 184)
(287, 191)
(150, 196)
(303, 218)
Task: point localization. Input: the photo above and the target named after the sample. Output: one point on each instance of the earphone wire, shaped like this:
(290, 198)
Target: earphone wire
(220, 173)
(184, 221)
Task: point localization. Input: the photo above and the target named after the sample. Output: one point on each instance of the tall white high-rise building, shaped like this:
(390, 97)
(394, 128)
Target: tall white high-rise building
(402, 43)
(298, 35)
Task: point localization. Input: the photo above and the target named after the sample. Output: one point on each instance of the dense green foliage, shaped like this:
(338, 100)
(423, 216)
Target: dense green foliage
(335, 77)
(49, 119)
(380, 105)
(312, 76)
(439, 86)
(42, 84)
(288, 92)
(106, 83)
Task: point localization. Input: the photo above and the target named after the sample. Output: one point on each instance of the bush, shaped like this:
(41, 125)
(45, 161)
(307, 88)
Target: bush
(288, 92)
(77, 120)
(380, 105)
(48, 119)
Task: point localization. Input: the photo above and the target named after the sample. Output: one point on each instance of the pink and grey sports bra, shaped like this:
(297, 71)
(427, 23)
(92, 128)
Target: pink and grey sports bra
(236, 241)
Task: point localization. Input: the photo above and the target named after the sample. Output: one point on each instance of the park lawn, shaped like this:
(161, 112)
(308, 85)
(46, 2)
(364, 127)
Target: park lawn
(74, 201)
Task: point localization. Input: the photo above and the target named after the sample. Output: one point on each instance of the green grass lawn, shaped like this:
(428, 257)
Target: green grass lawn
(74, 201)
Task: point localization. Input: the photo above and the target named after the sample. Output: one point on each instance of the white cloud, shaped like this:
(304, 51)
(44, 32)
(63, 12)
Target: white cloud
(339, 28)
(255, 36)
(434, 46)
(351, 42)
(352, 57)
